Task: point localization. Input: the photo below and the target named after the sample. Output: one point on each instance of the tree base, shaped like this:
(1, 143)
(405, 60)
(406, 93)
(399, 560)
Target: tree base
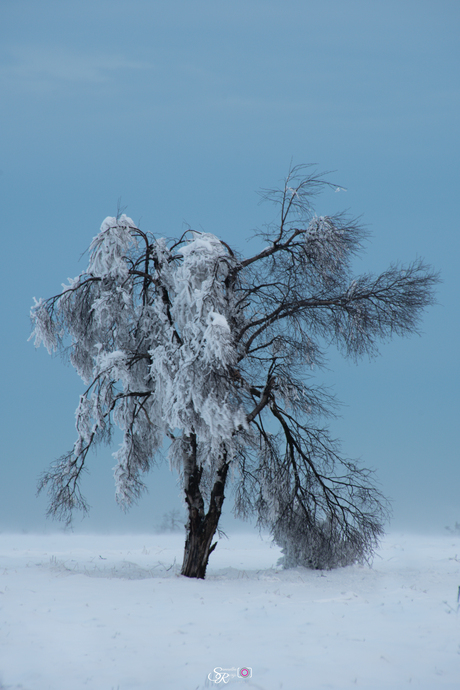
(198, 548)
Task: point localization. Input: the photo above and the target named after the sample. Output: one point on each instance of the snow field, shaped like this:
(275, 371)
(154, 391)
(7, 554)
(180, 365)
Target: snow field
(111, 612)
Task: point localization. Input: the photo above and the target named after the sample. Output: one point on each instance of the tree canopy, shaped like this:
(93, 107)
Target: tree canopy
(189, 341)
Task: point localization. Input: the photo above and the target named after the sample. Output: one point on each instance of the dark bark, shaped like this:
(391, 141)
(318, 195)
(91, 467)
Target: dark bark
(201, 526)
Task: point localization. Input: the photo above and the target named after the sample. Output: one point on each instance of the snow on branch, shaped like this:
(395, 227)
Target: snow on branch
(110, 248)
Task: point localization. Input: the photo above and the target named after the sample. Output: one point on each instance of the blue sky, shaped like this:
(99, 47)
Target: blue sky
(183, 110)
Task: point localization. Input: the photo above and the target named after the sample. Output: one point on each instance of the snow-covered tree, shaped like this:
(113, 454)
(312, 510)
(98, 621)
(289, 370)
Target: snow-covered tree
(191, 342)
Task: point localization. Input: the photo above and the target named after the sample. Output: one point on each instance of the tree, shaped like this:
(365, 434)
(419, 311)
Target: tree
(172, 521)
(189, 341)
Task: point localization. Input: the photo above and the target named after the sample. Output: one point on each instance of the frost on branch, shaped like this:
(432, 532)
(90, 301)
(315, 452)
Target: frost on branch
(321, 545)
(328, 246)
(149, 336)
(44, 331)
(186, 341)
(191, 368)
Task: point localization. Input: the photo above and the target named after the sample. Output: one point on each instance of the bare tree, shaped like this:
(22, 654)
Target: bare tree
(172, 521)
(190, 341)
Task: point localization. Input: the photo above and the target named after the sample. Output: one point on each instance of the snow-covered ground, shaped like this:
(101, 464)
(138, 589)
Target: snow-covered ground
(111, 613)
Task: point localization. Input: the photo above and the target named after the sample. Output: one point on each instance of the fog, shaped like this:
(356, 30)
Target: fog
(182, 119)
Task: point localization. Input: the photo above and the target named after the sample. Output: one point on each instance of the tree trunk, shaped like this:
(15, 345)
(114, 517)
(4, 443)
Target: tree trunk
(201, 527)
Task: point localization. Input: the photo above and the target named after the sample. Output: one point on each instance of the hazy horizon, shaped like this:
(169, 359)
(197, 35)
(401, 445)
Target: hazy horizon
(181, 112)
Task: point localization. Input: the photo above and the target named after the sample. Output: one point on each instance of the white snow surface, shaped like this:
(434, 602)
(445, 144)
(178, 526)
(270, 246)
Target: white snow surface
(111, 612)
